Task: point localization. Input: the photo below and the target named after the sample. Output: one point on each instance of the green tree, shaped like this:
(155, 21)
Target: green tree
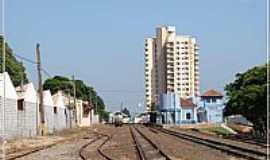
(15, 68)
(83, 91)
(247, 96)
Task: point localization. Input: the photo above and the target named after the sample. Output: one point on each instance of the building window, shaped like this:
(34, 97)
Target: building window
(20, 104)
(214, 100)
(66, 112)
(188, 116)
(86, 110)
(208, 100)
(55, 110)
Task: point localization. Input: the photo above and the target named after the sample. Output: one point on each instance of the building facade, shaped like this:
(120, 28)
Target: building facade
(171, 65)
(48, 110)
(61, 119)
(175, 110)
(211, 107)
(9, 111)
(27, 110)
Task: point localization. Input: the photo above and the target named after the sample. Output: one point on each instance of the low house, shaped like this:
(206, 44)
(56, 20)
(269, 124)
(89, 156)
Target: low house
(94, 118)
(175, 110)
(27, 110)
(83, 110)
(210, 107)
(48, 110)
(8, 112)
(188, 111)
(60, 112)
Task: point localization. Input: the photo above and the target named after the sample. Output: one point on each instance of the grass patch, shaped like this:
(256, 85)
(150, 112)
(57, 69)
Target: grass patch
(216, 130)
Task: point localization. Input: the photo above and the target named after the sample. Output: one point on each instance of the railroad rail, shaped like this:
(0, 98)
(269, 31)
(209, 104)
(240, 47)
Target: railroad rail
(218, 145)
(140, 137)
(99, 136)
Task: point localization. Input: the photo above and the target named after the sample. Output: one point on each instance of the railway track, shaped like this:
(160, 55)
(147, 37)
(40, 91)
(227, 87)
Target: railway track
(218, 145)
(99, 137)
(145, 147)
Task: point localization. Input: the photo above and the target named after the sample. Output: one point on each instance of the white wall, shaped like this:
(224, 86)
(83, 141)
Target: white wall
(28, 117)
(10, 110)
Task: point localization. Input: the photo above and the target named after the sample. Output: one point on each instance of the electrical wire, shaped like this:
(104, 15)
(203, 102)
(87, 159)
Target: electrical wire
(32, 62)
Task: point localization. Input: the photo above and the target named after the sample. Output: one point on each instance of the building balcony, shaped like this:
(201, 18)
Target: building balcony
(170, 77)
(169, 50)
(170, 54)
(170, 71)
(170, 60)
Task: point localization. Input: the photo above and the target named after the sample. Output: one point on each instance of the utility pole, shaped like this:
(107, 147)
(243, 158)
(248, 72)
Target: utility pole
(74, 96)
(40, 90)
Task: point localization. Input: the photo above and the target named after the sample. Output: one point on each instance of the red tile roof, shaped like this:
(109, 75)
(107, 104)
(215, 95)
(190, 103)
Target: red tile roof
(186, 103)
(212, 93)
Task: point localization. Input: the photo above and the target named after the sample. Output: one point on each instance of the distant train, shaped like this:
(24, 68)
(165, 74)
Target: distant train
(142, 118)
(119, 118)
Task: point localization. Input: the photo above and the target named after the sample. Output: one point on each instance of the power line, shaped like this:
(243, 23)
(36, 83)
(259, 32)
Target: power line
(26, 59)
(33, 62)
(46, 72)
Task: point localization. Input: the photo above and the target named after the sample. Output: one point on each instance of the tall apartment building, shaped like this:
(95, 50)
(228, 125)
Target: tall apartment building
(171, 65)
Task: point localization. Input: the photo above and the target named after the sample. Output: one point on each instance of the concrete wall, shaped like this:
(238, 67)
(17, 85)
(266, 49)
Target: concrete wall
(95, 118)
(60, 119)
(48, 109)
(83, 120)
(27, 120)
(10, 110)
(49, 117)
(214, 113)
(10, 122)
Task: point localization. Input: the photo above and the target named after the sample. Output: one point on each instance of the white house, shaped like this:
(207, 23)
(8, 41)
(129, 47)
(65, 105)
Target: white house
(60, 111)
(48, 110)
(27, 110)
(10, 110)
(83, 111)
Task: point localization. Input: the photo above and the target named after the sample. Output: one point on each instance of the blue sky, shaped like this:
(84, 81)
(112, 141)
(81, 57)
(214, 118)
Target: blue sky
(102, 42)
